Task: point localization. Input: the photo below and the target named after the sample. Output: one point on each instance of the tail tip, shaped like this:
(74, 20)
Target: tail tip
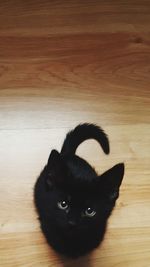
(107, 149)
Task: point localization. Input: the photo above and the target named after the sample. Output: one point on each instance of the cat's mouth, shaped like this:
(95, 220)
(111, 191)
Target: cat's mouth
(73, 228)
(76, 230)
(73, 232)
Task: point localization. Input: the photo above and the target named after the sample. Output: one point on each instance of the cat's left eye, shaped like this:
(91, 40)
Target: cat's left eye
(63, 205)
(89, 212)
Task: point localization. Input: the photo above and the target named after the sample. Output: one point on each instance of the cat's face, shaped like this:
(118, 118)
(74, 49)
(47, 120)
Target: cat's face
(77, 203)
(73, 213)
(77, 212)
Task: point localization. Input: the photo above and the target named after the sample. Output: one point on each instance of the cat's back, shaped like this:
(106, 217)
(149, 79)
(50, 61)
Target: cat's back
(80, 169)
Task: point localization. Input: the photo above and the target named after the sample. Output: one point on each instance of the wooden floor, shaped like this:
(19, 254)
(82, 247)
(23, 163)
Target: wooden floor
(63, 63)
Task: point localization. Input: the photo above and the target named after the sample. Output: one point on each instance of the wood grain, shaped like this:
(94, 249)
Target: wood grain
(63, 63)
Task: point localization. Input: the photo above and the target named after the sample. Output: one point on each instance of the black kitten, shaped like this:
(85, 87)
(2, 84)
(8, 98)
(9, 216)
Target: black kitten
(74, 202)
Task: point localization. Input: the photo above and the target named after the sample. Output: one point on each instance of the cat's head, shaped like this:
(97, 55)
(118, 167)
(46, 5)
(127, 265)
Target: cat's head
(77, 198)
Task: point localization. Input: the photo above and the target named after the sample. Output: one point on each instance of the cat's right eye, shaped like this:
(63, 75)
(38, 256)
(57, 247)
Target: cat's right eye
(63, 205)
(89, 212)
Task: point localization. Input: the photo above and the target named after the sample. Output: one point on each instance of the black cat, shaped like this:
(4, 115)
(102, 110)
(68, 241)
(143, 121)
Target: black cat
(72, 200)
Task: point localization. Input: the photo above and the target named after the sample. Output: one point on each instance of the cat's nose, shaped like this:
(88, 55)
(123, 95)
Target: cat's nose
(72, 223)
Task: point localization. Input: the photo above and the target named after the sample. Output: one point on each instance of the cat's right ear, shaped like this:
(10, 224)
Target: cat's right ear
(112, 180)
(55, 169)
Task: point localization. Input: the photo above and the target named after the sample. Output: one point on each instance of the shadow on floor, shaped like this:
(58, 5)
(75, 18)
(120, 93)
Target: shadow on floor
(84, 261)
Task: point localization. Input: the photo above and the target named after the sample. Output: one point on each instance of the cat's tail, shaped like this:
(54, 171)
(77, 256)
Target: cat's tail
(81, 133)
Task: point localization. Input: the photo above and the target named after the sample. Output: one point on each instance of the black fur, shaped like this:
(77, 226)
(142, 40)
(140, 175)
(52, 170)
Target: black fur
(81, 133)
(70, 178)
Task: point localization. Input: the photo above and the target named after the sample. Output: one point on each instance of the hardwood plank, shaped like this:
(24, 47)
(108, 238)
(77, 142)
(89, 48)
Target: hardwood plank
(32, 251)
(57, 17)
(53, 108)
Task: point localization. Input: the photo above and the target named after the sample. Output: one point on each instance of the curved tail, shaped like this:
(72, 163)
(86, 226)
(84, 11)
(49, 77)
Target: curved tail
(81, 133)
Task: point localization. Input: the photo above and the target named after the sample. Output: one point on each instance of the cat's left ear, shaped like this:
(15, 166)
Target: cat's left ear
(112, 180)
